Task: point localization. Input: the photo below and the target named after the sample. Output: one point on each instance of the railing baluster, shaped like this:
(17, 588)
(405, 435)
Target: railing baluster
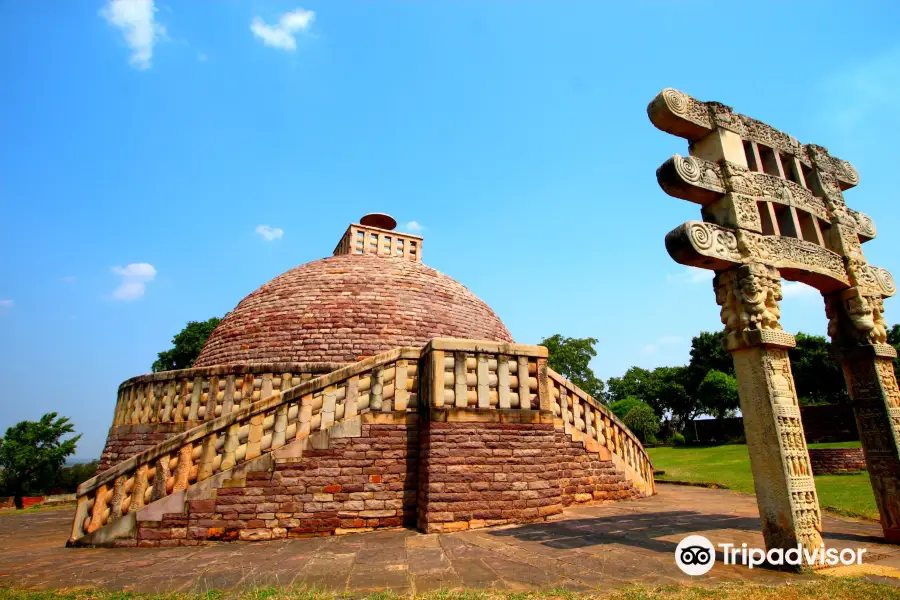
(522, 374)
(401, 394)
(481, 380)
(503, 381)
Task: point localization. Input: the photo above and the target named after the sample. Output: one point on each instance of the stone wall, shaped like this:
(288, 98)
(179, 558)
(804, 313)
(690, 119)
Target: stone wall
(360, 476)
(837, 460)
(460, 469)
(480, 469)
(588, 475)
(124, 441)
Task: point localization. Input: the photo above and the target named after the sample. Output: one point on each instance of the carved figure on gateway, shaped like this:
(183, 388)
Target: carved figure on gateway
(333, 400)
(772, 207)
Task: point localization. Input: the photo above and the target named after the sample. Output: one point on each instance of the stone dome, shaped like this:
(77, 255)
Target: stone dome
(344, 307)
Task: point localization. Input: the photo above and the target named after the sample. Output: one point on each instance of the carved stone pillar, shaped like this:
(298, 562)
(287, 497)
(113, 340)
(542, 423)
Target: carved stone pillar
(859, 337)
(782, 474)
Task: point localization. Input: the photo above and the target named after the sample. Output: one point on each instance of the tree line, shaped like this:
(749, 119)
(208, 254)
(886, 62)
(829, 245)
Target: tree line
(668, 398)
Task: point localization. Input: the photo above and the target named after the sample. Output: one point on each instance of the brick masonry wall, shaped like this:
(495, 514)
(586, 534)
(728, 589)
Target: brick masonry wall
(451, 473)
(124, 441)
(357, 484)
(478, 474)
(837, 460)
(588, 476)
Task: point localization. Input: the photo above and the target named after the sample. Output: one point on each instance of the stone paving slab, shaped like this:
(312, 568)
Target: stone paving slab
(588, 547)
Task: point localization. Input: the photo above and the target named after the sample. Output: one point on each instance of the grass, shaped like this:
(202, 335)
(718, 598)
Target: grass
(728, 466)
(832, 589)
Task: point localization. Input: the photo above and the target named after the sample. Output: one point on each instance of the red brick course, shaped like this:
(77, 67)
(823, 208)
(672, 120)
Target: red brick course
(442, 476)
(837, 460)
(340, 308)
(482, 474)
(359, 483)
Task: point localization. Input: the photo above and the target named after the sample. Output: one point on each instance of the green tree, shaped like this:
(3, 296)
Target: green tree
(187, 346)
(622, 407)
(32, 452)
(818, 378)
(893, 338)
(707, 354)
(718, 394)
(636, 382)
(673, 396)
(571, 357)
(69, 478)
(643, 422)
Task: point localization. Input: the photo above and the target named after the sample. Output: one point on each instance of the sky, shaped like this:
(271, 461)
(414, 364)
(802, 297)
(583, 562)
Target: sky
(160, 160)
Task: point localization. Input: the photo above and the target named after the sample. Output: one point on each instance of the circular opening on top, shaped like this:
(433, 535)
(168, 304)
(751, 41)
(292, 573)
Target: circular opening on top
(379, 220)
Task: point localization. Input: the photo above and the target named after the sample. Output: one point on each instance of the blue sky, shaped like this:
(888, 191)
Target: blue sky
(142, 146)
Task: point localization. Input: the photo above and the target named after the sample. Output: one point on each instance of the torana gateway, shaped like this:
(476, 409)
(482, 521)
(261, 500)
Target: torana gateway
(774, 208)
(360, 391)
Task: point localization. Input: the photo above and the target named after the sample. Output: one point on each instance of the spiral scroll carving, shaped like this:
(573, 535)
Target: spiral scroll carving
(866, 225)
(850, 172)
(688, 168)
(675, 100)
(701, 236)
(886, 281)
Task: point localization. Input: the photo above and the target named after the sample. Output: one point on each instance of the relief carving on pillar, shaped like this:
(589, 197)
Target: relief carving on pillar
(749, 297)
(855, 318)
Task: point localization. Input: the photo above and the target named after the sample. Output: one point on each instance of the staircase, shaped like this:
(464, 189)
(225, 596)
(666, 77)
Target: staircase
(318, 435)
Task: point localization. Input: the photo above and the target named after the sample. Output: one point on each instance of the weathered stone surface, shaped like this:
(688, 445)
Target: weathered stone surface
(773, 207)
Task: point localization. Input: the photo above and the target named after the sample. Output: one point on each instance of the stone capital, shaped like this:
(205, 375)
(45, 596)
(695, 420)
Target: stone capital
(749, 296)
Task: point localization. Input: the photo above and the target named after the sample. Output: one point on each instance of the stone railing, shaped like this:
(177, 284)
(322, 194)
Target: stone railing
(384, 383)
(184, 395)
(582, 414)
(466, 374)
(476, 374)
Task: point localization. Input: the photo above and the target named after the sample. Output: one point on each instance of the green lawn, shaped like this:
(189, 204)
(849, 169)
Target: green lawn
(728, 466)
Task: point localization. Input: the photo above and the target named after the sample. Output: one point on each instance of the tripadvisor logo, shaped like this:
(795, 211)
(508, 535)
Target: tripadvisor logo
(695, 555)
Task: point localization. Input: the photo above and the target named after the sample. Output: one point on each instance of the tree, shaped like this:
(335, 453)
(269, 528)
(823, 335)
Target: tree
(818, 378)
(893, 338)
(718, 394)
(675, 396)
(707, 354)
(188, 344)
(571, 357)
(643, 422)
(31, 454)
(622, 407)
(636, 382)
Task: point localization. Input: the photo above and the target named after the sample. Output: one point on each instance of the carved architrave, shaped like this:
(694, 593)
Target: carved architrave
(711, 246)
(691, 178)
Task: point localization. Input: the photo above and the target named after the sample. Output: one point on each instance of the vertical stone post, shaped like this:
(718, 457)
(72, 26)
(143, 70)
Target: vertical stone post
(782, 474)
(859, 338)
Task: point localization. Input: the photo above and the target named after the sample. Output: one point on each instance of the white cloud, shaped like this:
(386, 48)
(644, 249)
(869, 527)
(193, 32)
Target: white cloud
(797, 290)
(6, 303)
(68, 279)
(134, 280)
(414, 227)
(865, 90)
(691, 275)
(202, 57)
(283, 35)
(139, 27)
(270, 233)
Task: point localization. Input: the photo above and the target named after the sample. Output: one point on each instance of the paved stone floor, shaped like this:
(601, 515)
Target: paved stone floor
(601, 546)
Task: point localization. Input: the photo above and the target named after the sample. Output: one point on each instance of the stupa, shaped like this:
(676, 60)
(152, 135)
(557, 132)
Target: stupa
(360, 391)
